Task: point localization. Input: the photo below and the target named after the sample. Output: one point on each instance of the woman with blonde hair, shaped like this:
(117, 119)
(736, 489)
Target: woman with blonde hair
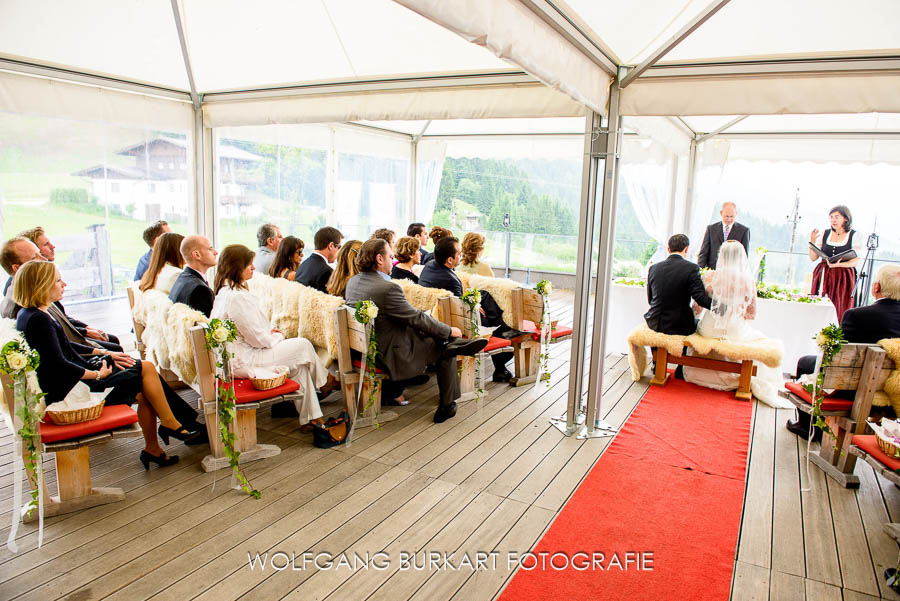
(472, 249)
(38, 284)
(344, 269)
(257, 343)
(166, 264)
(407, 254)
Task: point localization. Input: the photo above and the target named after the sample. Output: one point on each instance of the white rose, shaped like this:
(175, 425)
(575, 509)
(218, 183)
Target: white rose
(820, 339)
(372, 311)
(220, 334)
(548, 288)
(16, 360)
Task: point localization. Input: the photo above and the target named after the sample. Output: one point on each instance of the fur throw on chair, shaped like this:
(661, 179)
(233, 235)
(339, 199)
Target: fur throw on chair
(891, 348)
(179, 320)
(156, 305)
(420, 297)
(316, 321)
(501, 289)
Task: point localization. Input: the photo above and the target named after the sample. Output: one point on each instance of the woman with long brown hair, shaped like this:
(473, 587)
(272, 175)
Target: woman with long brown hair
(257, 343)
(166, 264)
(287, 258)
(344, 269)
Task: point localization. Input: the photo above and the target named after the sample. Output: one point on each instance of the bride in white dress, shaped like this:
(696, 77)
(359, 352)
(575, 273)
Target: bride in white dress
(733, 293)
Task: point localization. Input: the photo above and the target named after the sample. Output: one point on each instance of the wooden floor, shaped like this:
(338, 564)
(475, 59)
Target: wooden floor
(491, 479)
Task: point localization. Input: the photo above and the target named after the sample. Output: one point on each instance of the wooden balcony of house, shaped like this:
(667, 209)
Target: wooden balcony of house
(493, 478)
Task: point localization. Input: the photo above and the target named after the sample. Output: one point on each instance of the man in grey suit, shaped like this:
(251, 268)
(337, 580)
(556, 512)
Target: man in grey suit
(717, 233)
(408, 339)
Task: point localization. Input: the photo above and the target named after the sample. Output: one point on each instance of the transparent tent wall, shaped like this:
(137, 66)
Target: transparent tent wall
(94, 187)
(303, 177)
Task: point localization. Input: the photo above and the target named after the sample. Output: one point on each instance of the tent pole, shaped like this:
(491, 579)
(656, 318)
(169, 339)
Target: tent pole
(689, 194)
(582, 276)
(595, 426)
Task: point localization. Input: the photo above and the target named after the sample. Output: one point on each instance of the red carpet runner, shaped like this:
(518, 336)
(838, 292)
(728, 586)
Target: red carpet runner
(671, 484)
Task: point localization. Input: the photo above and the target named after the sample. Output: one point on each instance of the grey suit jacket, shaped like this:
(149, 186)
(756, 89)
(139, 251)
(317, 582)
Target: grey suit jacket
(408, 339)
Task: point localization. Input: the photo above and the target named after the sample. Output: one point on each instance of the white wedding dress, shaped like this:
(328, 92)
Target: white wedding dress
(733, 292)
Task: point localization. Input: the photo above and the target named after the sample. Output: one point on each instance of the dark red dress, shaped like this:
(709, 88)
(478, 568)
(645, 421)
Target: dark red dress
(836, 283)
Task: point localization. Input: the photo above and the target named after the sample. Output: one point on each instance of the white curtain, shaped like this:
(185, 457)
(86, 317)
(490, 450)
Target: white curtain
(711, 158)
(649, 188)
(429, 169)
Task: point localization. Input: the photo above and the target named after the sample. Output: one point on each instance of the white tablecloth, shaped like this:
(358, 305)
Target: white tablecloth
(795, 324)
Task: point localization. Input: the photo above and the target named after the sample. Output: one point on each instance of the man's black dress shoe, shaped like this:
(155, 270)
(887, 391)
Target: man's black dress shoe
(444, 412)
(284, 409)
(465, 347)
(802, 430)
(509, 333)
(503, 375)
(201, 437)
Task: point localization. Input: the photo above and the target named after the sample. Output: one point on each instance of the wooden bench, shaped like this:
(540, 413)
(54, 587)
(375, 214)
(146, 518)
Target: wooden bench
(527, 311)
(453, 311)
(860, 367)
(170, 377)
(866, 448)
(745, 368)
(351, 336)
(247, 401)
(71, 447)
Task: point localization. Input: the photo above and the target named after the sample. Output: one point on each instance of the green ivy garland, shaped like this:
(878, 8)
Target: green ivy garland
(545, 289)
(365, 313)
(19, 361)
(219, 333)
(829, 340)
(472, 298)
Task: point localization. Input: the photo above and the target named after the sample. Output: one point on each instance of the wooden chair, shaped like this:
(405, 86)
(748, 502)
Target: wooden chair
(169, 376)
(453, 312)
(247, 401)
(351, 336)
(745, 368)
(527, 310)
(860, 367)
(71, 447)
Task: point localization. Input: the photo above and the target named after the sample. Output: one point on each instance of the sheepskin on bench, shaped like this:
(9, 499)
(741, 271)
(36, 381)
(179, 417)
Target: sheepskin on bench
(891, 391)
(764, 350)
(420, 297)
(180, 318)
(155, 305)
(501, 290)
(316, 321)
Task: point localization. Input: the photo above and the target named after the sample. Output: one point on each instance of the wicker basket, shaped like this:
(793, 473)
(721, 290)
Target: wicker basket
(268, 383)
(891, 450)
(76, 416)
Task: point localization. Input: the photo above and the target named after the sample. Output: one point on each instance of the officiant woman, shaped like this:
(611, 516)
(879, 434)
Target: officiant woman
(836, 280)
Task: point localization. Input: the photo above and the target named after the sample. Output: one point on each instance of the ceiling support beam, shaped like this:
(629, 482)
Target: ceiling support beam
(716, 132)
(879, 64)
(676, 39)
(550, 14)
(179, 26)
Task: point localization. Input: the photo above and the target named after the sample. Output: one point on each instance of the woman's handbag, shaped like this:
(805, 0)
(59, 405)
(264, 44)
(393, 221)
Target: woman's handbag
(333, 432)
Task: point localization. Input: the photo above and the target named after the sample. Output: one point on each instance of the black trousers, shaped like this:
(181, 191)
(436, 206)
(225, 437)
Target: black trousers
(447, 378)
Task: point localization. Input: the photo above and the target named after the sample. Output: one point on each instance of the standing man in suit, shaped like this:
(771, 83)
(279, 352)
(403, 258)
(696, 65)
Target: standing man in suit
(315, 270)
(720, 231)
(191, 287)
(420, 233)
(671, 284)
(865, 325)
(408, 339)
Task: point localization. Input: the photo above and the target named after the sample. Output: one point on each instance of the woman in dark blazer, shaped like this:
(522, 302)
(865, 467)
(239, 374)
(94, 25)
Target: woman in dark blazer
(37, 284)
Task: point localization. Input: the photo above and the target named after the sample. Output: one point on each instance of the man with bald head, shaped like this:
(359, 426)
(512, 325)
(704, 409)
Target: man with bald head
(191, 287)
(720, 231)
(15, 253)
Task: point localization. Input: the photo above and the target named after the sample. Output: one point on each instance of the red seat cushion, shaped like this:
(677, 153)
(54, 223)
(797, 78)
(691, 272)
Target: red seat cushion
(245, 393)
(828, 403)
(869, 444)
(496, 343)
(112, 417)
(559, 332)
(357, 364)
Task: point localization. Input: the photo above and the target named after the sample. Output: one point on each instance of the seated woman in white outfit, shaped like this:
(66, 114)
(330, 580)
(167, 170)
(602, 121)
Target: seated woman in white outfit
(733, 293)
(257, 343)
(166, 264)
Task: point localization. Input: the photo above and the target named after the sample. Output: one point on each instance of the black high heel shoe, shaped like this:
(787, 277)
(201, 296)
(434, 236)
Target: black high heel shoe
(181, 433)
(161, 460)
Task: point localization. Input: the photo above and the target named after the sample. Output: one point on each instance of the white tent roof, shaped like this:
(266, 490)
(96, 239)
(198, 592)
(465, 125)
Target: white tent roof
(730, 57)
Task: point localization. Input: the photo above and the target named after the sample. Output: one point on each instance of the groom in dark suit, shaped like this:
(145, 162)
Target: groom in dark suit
(671, 285)
(720, 231)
